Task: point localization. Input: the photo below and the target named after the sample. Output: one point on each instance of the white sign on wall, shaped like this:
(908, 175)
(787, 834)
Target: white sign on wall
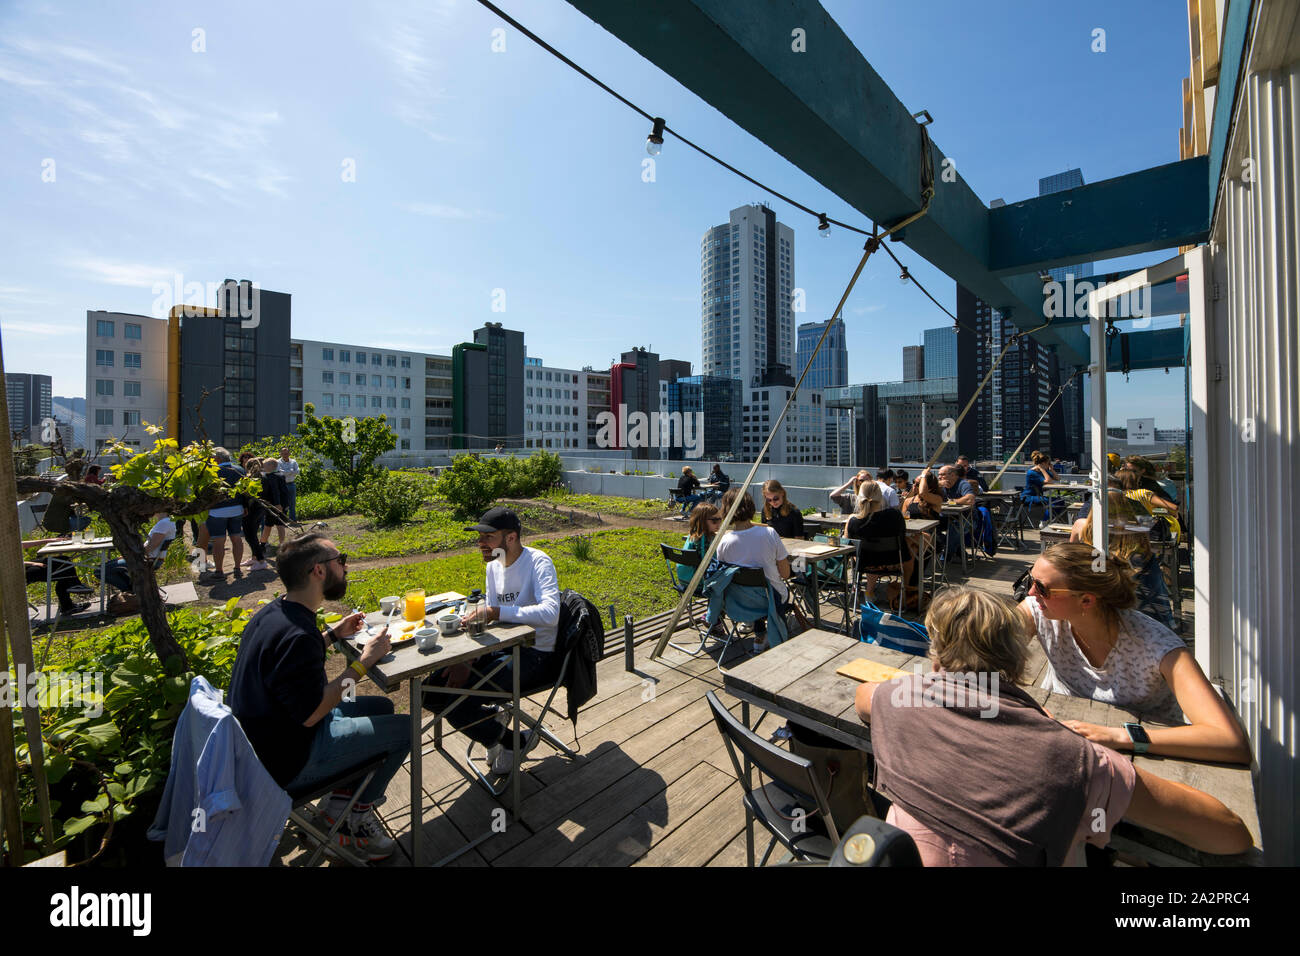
(1141, 431)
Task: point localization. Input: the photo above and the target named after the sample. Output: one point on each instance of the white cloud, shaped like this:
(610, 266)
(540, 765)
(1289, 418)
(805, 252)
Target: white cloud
(134, 274)
(212, 178)
(442, 211)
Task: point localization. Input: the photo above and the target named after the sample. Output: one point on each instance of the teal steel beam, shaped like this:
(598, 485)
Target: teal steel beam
(829, 113)
(1232, 61)
(1139, 212)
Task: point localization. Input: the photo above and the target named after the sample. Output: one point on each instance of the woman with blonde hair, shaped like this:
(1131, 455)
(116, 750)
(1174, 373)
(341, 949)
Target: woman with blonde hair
(779, 512)
(1080, 607)
(978, 774)
(874, 522)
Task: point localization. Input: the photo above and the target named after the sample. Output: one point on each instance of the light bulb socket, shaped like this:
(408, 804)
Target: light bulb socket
(904, 276)
(823, 227)
(654, 143)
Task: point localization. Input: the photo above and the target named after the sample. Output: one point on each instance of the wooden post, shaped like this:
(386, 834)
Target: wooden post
(629, 652)
(17, 631)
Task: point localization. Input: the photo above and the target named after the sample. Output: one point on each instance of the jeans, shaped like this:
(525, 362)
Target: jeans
(537, 671)
(291, 500)
(115, 574)
(354, 731)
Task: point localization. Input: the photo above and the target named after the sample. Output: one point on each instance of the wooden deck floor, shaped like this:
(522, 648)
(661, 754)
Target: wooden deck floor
(652, 786)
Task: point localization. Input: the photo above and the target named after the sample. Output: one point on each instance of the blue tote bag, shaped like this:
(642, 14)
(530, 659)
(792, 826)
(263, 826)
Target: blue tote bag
(889, 630)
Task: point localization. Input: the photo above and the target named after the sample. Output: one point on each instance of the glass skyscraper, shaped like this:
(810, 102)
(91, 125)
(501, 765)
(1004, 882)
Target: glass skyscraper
(830, 367)
(940, 357)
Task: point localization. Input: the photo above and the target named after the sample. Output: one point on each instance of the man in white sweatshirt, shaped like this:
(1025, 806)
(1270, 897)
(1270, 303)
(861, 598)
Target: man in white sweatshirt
(521, 588)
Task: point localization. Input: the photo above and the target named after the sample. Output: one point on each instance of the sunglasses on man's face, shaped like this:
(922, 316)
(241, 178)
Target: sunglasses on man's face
(341, 558)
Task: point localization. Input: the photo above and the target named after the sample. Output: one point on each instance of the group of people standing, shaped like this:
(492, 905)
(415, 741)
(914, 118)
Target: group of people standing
(247, 518)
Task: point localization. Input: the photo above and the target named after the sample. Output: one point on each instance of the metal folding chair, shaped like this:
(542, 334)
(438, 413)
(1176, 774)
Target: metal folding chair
(881, 557)
(304, 817)
(792, 807)
(674, 557)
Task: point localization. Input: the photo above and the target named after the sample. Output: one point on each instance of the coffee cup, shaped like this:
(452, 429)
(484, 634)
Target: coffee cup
(448, 624)
(426, 638)
(386, 604)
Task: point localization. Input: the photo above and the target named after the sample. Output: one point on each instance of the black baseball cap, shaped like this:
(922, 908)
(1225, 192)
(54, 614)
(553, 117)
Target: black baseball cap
(497, 519)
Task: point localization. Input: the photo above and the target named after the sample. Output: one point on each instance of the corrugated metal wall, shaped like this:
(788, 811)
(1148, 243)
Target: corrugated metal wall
(1261, 245)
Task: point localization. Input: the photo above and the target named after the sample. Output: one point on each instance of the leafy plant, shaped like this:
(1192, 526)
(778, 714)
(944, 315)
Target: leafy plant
(108, 717)
(320, 504)
(582, 548)
(470, 484)
(350, 444)
(390, 499)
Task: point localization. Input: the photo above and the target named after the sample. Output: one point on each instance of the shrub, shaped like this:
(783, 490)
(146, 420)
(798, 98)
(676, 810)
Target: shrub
(320, 504)
(391, 498)
(582, 548)
(470, 485)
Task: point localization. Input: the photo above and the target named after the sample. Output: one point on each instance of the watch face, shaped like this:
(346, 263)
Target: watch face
(1138, 733)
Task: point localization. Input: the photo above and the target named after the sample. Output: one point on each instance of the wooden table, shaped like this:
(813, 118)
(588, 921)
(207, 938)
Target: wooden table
(412, 665)
(809, 554)
(797, 680)
(965, 522)
(921, 530)
(69, 552)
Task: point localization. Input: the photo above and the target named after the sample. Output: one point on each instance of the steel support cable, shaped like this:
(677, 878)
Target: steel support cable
(1034, 427)
(927, 161)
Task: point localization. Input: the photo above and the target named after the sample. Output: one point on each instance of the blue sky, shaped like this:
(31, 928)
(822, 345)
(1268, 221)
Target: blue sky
(478, 170)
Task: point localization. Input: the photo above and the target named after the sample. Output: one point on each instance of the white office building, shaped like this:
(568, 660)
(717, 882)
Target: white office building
(555, 407)
(126, 377)
(360, 381)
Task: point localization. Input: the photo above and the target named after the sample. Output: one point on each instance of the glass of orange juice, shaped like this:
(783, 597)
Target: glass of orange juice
(414, 605)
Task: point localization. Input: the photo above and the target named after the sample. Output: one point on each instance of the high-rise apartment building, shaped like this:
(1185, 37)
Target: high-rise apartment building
(940, 353)
(30, 398)
(746, 284)
(830, 367)
(555, 413)
(126, 378)
(343, 381)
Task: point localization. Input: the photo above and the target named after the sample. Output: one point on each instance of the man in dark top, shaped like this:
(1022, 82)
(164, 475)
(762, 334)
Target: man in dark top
(972, 473)
(720, 482)
(305, 729)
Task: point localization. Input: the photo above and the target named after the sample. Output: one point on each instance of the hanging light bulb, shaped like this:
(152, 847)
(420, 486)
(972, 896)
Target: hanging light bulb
(654, 143)
(823, 227)
(904, 276)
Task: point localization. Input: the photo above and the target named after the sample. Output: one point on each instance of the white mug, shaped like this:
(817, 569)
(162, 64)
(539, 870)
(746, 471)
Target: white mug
(426, 638)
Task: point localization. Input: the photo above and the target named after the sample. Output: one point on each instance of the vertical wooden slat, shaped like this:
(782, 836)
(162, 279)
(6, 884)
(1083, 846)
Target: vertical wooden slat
(1209, 23)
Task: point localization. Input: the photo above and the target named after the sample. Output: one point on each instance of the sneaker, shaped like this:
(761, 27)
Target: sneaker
(500, 760)
(365, 836)
(258, 566)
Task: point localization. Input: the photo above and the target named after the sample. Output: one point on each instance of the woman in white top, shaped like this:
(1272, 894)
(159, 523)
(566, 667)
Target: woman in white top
(1081, 612)
(752, 545)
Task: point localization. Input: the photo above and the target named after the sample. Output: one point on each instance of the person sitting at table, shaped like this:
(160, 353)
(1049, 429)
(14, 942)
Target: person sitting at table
(719, 481)
(972, 474)
(687, 485)
(1099, 648)
(301, 726)
(521, 588)
(902, 485)
(979, 774)
(780, 512)
(748, 545)
(885, 482)
(63, 574)
(1130, 481)
(1038, 474)
(1133, 548)
(160, 537)
(706, 519)
(846, 495)
(926, 498)
(875, 520)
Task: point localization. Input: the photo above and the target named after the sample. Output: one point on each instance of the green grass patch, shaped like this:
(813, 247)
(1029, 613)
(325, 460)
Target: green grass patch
(609, 505)
(624, 568)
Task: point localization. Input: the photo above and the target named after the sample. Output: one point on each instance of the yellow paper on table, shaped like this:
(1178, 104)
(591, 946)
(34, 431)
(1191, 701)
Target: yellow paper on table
(865, 670)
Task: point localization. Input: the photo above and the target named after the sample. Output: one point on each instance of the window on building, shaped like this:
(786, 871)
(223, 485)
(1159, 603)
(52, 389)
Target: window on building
(406, 361)
(103, 386)
(406, 403)
(131, 417)
(345, 355)
(327, 355)
(406, 424)
(345, 378)
(130, 359)
(104, 417)
(327, 399)
(392, 381)
(376, 401)
(361, 378)
(131, 389)
(392, 402)
(392, 361)
(104, 328)
(345, 401)
(327, 378)
(406, 382)
(406, 444)
(376, 358)
(104, 358)
(132, 330)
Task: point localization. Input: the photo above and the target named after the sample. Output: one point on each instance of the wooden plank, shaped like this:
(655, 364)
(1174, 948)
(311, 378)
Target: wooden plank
(785, 663)
(733, 854)
(595, 809)
(696, 842)
(645, 829)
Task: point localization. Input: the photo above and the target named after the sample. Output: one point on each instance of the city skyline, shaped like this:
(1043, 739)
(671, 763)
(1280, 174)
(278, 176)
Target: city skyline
(430, 185)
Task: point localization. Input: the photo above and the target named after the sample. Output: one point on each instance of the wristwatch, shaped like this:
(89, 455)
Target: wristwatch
(1137, 733)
